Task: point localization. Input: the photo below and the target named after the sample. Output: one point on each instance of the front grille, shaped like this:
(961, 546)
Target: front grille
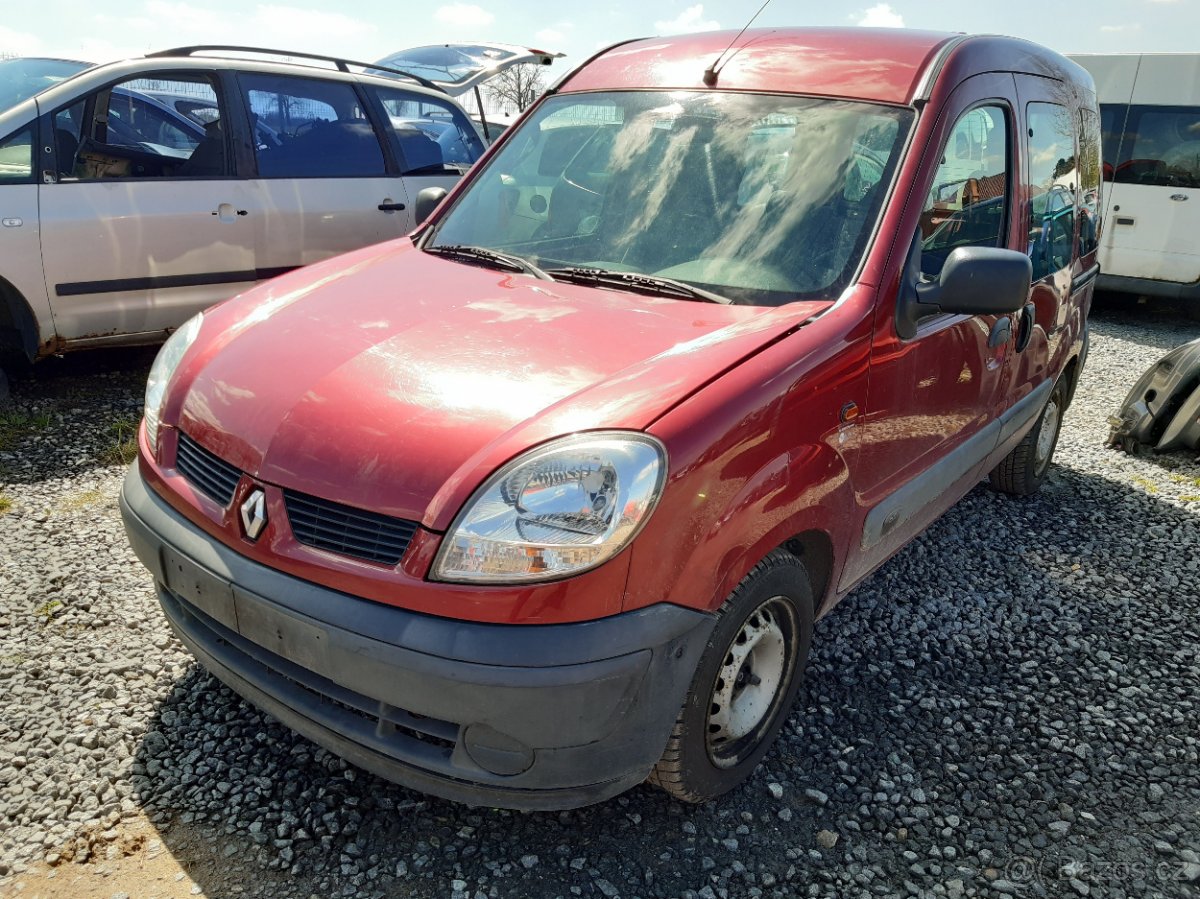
(322, 524)
(208, 473)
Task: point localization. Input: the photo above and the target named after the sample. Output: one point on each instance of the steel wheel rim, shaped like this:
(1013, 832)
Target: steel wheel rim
(1047, 434)
(751, 682)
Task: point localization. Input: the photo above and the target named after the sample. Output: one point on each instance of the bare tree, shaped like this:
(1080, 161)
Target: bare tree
(518, 86)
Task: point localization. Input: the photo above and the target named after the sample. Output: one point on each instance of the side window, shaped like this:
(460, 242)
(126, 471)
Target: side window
(1053, 177)
(1089, 181)
(1160, 147)
(308, 128)
(433, 135)
(132, 130)
(968, 203)
(1112, 126)
(16, 157)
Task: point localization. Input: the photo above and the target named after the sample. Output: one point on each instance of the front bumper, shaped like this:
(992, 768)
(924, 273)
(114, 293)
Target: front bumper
(515, 716)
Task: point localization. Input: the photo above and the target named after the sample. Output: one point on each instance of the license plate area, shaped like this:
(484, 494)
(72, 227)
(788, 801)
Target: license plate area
(200, 587)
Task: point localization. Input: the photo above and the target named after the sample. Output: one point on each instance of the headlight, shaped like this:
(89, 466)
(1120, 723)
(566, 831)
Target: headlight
(556, 510)
(161, 371)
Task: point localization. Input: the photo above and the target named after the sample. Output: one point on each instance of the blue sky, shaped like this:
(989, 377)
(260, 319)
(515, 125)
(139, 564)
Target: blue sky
(369, 29)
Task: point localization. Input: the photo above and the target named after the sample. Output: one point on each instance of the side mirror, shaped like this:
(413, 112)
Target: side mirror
(973, 281)
(427, 201)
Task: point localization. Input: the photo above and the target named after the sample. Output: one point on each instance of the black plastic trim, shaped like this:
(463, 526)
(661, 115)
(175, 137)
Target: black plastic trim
(1170, 290)
(900, 505)
(164, 282)
(1083, 279)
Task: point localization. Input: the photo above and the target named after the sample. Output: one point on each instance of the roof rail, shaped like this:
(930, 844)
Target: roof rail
(343, 65)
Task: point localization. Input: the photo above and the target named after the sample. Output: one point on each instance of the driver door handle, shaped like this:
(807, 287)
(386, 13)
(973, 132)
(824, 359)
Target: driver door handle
(389, 206)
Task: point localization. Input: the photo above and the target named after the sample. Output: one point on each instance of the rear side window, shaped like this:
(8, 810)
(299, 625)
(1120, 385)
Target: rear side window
(1053, 177)
(1089, 181)
(1159, 145)
(434, 136)
(968, 202)
(307, 128)
(16, 157)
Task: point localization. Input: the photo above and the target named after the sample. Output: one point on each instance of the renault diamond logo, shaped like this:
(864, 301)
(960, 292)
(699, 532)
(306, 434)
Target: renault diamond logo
(254, 514)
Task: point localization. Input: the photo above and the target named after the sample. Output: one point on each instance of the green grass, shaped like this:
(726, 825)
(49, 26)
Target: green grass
(83, 500)
(124, 448)
(16, 424)
(5, 503)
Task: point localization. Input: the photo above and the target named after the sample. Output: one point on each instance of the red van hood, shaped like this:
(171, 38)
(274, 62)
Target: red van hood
(393, 380)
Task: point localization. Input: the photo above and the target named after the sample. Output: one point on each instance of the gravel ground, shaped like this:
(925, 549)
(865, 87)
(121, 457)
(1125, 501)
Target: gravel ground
(1009, 707)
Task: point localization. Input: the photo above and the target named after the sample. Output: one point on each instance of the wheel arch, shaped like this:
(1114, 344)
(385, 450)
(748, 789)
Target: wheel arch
(799, 501)
(18, 325)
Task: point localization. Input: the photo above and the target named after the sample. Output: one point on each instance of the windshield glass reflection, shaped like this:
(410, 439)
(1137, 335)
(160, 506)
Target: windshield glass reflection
(762, 199)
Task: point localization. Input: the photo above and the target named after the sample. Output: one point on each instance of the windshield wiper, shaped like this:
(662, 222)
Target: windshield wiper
(636, 282)
(495, 257)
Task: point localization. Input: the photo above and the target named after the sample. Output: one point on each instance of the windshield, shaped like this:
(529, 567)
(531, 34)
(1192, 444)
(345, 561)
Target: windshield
(761, 199)
(20, 79)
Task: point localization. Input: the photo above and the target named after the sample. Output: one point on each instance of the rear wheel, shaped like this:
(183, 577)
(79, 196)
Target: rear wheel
(1022, 471)
(745, 684)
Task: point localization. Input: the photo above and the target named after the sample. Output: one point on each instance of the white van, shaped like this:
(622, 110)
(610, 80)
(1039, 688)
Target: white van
(1150, 117)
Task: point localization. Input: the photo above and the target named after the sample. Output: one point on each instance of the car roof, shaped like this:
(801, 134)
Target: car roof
(886, 65)
(107, 73)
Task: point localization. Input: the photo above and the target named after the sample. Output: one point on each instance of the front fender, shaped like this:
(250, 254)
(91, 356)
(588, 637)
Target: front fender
(757, 458)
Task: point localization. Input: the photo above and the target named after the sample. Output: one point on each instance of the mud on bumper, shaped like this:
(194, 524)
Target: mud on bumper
(516, 716)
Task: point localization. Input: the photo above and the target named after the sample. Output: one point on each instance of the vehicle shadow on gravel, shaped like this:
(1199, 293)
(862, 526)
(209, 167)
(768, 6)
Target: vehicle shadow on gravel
(74, 413)
(1013, 689)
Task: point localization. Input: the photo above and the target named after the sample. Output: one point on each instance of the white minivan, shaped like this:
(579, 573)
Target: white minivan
(1150, 118)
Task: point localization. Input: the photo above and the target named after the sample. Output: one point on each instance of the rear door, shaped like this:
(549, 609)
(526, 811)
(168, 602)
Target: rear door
(432, 139)
(143, 221)
(1056, 224)
(322, 174)
(1154, 197)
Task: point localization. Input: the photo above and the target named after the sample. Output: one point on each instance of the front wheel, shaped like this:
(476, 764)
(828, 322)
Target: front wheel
(745, 684)
(1022, 471)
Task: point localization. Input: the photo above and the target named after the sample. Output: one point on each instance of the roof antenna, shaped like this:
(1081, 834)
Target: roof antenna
(710, 74)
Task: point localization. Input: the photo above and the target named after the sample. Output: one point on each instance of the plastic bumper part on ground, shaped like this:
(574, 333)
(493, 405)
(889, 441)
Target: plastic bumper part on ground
(529, 717)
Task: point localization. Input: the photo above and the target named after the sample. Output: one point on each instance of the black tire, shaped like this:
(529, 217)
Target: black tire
(4, 392)
(1022, 471)
(774, 606)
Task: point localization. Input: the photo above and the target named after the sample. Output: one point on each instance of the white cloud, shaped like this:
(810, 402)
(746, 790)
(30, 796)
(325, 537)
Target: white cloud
(691, 19)
(280, 26)
(19, 43)
(881, 15)
(289, 26)
(1115, 28)
(550, 35)
(467, 14)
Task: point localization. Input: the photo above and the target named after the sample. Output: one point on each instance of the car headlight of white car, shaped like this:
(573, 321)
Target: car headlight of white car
(162, 370)
(556, 510)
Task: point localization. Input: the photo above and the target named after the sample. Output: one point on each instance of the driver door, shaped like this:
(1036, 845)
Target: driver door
(933, 394)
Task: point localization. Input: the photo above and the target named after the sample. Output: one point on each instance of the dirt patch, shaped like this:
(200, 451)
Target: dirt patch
(132, 861)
